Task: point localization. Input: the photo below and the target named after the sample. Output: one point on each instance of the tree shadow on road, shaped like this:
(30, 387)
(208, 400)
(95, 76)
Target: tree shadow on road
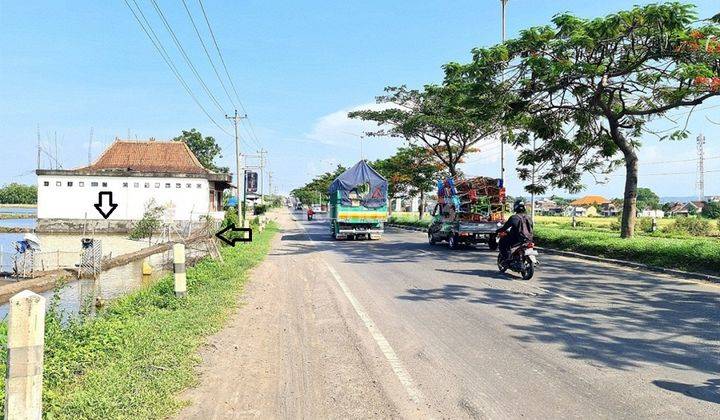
(608, 316)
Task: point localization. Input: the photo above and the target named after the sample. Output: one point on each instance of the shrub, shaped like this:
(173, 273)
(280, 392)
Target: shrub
(15, 193)
(712, 210)
(150, 222)
(688, 226)
(260, 209)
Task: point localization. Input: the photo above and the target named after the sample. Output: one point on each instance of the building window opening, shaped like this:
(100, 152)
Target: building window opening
(58, 183)
(178, 185)
(104, 184)
(147, 185)
(93, 184)
(188, 185)
(136, 185)
(157, 185)
(167, 185)
(125, 184)
(81, 183)
(46, 183)
(69, 184)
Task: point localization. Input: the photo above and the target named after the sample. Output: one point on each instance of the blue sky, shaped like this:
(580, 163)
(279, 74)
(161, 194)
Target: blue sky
(298, 67)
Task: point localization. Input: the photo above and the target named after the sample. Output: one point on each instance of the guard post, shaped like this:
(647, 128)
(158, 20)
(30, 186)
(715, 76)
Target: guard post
(179, 270)
(25, 348)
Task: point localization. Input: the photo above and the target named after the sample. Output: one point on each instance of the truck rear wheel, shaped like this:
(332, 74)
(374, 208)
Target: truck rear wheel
(431, 239)
(493, 243)
(454, 241)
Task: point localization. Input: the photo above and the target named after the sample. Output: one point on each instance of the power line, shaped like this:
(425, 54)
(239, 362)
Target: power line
(178, 44)
(227, 73)
(207, 54)
(165, 56)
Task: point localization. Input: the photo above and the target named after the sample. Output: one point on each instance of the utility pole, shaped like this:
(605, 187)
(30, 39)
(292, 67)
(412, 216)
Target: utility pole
(532, 194)
(700, 180)
(240, 174)
(90, 147)
(503, 3)
(262, 152)
(270, 181)
(38, 146)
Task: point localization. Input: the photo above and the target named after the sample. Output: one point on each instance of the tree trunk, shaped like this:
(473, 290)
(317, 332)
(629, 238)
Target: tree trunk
(421, 205)
(629, 214)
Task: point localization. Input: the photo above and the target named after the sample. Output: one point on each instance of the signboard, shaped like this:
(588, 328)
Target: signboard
(251, 182)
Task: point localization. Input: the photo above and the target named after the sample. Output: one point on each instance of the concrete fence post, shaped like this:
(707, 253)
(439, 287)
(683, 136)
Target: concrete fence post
(25, 347)
(246, 224)
(179, 270)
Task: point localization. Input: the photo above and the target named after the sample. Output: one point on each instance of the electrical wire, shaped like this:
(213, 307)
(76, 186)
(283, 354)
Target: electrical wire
(178, 44)
(227, 73)
(207, 53)
(163, 53)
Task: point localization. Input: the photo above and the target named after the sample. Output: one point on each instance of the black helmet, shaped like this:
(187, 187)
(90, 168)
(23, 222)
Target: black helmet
(519, 206)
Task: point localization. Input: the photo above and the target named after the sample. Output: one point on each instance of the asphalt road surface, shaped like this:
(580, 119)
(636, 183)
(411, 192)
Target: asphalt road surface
(400, 328)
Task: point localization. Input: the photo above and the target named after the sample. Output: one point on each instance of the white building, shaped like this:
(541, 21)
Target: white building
(658, 214)
(136, 173)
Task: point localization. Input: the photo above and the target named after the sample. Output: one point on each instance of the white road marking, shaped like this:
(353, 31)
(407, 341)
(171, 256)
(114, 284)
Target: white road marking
(395, 363)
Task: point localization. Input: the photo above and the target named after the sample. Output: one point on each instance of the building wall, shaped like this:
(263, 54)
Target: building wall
(59, 200)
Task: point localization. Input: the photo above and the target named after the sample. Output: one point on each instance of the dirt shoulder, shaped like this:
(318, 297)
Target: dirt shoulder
(292, 350)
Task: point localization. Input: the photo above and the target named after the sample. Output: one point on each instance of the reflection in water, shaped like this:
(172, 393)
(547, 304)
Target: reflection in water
(82, 294)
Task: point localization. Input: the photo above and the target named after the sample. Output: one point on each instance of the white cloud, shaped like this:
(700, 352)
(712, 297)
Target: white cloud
(339, 130)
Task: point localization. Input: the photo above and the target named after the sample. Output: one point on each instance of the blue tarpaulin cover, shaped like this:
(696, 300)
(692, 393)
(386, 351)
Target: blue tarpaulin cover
(361, 175)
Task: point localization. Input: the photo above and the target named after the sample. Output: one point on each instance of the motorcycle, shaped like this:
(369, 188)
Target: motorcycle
(523, 259)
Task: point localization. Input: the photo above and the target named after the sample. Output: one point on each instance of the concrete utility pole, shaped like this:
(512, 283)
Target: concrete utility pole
(700, 180)
(90, 147)
(503, 3)
(38, 146)
(240, 173)
(262, 152)
(270, 181)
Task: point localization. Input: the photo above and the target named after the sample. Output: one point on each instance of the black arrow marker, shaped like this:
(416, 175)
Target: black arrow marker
(104, 210)
(233, 241)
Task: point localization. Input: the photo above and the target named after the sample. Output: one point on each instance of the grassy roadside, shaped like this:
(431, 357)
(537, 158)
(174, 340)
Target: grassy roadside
(685, 253)
(132, 359)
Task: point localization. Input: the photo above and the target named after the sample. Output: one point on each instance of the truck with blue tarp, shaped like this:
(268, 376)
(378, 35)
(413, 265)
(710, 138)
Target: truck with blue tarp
(358, 203)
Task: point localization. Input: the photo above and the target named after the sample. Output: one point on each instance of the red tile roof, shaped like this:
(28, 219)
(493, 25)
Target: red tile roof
(148, 156)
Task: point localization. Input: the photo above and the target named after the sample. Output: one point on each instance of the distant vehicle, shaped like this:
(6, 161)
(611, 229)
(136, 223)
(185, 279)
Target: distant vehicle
(467, 212)
(317, 208)
(358, 203)
(523, 259)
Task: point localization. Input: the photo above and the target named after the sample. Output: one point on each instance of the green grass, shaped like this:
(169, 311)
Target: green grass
(135, 356)
(681, 252)
(693, 254)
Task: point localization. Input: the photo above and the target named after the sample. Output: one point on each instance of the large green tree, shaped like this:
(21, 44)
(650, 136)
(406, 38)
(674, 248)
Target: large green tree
(317, 188)
(439, 118)
(647, 199)
(15, 193)
(588, 89)
(205, 149)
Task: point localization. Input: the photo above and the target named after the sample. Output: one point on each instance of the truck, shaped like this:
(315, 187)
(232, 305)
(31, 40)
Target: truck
(358, 203)
(468, 212)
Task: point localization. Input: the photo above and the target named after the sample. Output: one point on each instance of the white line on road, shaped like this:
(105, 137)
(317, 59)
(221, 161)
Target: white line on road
(395, 363)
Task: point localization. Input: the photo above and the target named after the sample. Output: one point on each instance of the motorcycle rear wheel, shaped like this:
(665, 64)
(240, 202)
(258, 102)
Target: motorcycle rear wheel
(528, 269)
(501, 267)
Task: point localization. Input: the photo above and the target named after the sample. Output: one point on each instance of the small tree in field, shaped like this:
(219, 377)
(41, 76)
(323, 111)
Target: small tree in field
(150, 222)
(587, 90)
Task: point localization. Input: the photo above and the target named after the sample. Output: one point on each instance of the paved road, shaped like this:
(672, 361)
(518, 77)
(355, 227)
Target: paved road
(426, 332)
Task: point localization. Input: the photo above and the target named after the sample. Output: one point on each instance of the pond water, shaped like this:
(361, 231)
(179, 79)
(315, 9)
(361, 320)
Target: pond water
(16, 210)
(110, 284)
(24, 223)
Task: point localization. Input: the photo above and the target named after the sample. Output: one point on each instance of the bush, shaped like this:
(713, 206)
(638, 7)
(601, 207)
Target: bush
(150, 222)
(18, 194)
(260, 209)
(712, 210)
(688, 226)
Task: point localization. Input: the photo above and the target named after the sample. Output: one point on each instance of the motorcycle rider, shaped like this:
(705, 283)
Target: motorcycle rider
(519, 229)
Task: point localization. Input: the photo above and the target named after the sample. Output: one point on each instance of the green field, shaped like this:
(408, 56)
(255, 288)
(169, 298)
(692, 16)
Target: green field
(594, 236)
(137, 354)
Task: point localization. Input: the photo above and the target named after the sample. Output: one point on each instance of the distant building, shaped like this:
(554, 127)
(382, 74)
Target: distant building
(590, 204)
(686, 209)
(136, 173)
(658, 214)
(547, 207)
